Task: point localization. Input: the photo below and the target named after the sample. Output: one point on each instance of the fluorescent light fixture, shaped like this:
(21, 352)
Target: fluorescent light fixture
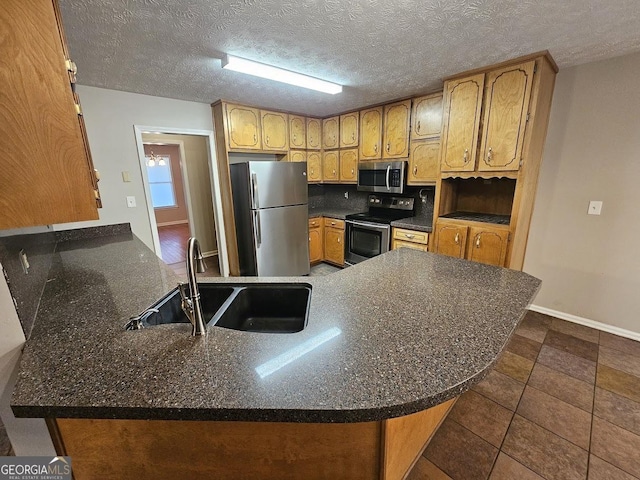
(279, 75)
(276, 363)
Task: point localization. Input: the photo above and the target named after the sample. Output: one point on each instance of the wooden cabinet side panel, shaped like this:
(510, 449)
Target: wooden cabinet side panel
(506, 107)
(463, 104)
(406, 437)
(45, 177)
(396, 129)
(135, 449)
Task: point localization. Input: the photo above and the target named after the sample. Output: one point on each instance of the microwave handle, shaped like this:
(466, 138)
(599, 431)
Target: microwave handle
(387, 177)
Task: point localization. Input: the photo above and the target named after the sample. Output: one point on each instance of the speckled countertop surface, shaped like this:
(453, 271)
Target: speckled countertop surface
(422, 224)
(414, 329)
(339, 213)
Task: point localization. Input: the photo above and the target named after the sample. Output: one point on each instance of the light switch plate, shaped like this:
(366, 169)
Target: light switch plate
(125, 176)
(595, 207)
(131, 202)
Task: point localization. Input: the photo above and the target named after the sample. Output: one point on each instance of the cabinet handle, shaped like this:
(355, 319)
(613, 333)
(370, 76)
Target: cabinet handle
(353, 137)
(415, 169)
(333, 223)
(388, 147)
(267, 139)
(309, 238)
(255, 138)
(294, 138)
(409, 235)
(353, 171)
(338, 239)
(418, 127)
(375, 148)
(457, 239)
(489, 155)
(465, 157)
(478, 241)
(334, 172)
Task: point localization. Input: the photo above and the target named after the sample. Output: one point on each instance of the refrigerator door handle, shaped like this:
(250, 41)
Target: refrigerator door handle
(258, 229)
(254, 190)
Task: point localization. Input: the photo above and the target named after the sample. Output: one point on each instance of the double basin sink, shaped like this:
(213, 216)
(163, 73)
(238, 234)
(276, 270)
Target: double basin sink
(265, 308)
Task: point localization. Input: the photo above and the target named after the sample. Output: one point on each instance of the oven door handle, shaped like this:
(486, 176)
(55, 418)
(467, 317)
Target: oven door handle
(387, 177)
(374, 226)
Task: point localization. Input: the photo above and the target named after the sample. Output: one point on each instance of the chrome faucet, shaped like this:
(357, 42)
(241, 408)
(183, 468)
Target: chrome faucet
(191, 299)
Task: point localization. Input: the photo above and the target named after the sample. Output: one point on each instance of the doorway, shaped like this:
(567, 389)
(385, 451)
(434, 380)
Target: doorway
(183, 196)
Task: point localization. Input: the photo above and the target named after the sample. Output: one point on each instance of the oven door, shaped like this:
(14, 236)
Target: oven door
(381, 177)
(365, 240)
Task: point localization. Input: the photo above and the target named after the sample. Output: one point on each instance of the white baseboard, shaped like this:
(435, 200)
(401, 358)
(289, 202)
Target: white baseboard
(176, 222)
(212, 253)
(587, 322)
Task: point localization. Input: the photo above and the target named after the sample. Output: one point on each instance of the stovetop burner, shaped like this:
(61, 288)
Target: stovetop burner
(385, 210)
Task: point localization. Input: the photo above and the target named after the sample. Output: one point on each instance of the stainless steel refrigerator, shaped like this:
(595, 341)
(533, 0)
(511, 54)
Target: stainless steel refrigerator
(272, 220)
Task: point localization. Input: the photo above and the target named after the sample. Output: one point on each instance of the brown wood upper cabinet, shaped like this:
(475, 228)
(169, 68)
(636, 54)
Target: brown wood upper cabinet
(330, 166)
(314, 167)
(275, 132)
(330, 132)
(506, 108)
(426, 118)
(297, 156)
(349, 129)
(314, 134)
(297, 131)
(243, 125)
(370, 134)
(461, 122)
(47, 172)
(349, 165)
(424, 162)
(395, 136)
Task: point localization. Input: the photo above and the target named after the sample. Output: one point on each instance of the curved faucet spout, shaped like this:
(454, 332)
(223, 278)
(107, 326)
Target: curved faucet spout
(191, 300)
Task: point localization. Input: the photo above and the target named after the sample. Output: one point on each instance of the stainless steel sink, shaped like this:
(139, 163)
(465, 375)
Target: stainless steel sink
(265, 308)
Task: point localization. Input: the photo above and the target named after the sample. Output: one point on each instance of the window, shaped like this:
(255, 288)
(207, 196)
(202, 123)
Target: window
(160, 181)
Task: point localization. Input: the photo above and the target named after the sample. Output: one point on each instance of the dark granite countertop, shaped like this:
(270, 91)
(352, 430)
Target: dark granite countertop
(422, 224)
(339, 213)
(428, 332)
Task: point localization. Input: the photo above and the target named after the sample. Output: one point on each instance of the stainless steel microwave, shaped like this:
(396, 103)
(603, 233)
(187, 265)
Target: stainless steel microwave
(382, 177)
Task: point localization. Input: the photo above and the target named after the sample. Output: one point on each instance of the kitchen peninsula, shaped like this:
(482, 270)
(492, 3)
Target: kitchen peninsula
(390, 343)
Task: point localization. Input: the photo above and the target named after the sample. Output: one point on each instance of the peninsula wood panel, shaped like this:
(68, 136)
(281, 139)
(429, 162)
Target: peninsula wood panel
(46, 177)
(395, 137)
(349, 165)
(275, 132)
(243, 124)
(330, 132)
(426, 117)
(330, 166)
(349, 129)
(297, 131)
(508, 91)
(314, 134)
(370, 134)
(461, 123)
(424, 162)
(314, 167)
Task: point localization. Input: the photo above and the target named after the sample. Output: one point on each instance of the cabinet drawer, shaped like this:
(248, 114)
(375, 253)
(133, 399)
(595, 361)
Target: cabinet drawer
(315, 222)
(395, 244)
(334, 222)
(410, 236)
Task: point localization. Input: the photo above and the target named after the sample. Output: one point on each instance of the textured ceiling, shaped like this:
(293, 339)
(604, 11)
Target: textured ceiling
(379, 49)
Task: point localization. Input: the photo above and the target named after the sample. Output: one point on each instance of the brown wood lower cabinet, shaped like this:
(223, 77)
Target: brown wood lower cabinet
(472, 240)
(401, 237)
(315, 240)
(334, 241)
(169, 449)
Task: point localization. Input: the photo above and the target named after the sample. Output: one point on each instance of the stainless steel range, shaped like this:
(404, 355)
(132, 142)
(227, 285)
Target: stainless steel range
(369, 233)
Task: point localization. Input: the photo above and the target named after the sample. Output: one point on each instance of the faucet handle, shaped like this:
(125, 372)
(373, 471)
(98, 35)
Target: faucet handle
(183, 288)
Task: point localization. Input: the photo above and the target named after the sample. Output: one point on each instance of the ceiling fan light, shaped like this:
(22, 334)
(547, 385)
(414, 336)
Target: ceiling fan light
(262, 70)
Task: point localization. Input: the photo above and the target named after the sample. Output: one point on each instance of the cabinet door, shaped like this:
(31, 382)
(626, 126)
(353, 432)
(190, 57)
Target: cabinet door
(297, 156)
(370, 134)
(505, 117)
(330, 137)
(244, 127)
(330, 166)
(297, 132)
(275, 134)
(488, 245)
(396, 129)
(315, 240)
(395, 244)
(426, 119)
(349, 129)
(314, 134)
(424, 162)
(314, 167)
(334, 245)
(349, 165)
(451, 239)
(46, 173)
(462, 105)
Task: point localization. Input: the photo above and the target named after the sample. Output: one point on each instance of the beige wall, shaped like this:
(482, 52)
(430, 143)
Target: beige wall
(178, 212)
(588, 264)
(199, 180)
(110, 116)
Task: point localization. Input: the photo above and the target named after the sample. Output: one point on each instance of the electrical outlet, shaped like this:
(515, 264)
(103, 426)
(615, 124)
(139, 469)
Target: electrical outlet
(595, 207)
(131, 202)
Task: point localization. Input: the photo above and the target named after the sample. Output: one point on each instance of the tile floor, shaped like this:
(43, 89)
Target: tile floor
(562, 402)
